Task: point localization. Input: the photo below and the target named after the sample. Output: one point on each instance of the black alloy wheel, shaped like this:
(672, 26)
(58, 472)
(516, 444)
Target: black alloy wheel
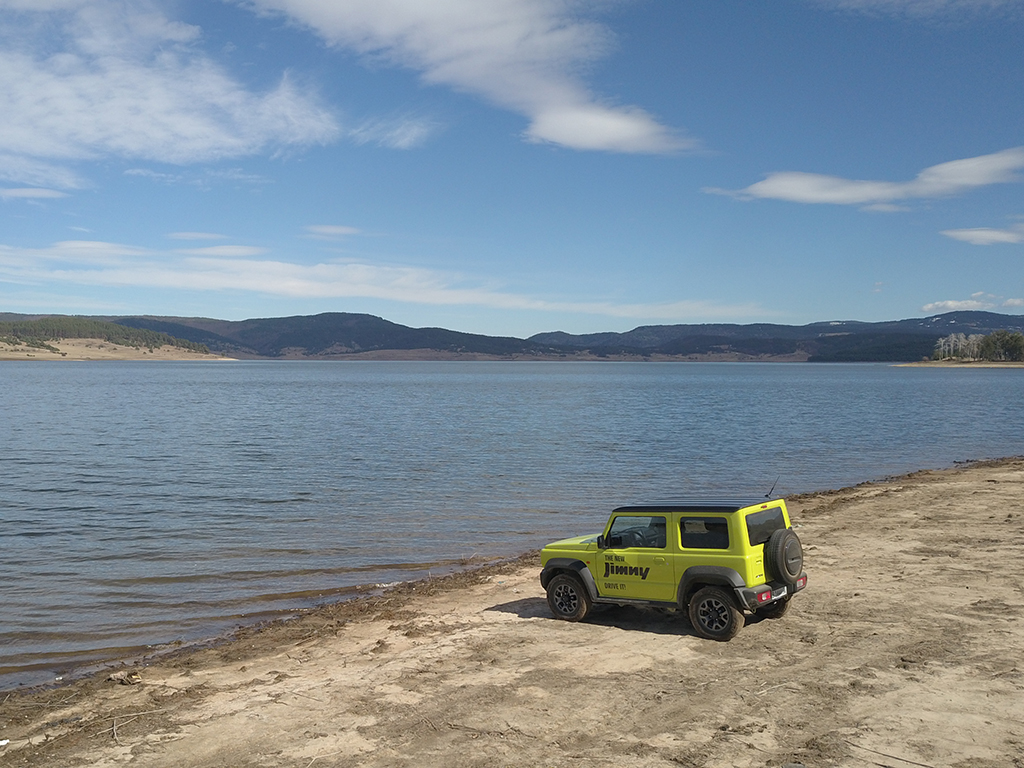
(568, 598)
(714, 614)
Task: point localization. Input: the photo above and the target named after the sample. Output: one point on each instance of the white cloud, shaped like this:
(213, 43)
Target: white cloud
(226, 251)
(227, 269)
(951, 178)
(148, 173)
(393, 134)
(30, 170)
(108, 79)
(205, 178)
(957, 306)
(330, 231)
(41, 5)
(29, 192)
(885, 208)
(987, 235)
(977, 301)
(923, 7)
(523, 55)
(196, 236)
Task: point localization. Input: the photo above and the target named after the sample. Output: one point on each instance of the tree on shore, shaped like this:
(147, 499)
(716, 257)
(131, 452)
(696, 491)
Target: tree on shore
(38, 332)
(998, 346)
(1003, 345)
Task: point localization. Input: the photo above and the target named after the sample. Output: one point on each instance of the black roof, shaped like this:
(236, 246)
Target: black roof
(695, 505)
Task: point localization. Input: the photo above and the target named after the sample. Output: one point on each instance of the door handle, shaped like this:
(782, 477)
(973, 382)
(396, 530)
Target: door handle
(659, 561)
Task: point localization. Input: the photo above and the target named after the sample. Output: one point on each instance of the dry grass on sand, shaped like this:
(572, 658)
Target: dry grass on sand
(905, 650)
(97, 349)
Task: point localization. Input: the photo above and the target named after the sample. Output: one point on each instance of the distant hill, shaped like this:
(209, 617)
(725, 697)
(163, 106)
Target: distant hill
(835, 341)
(341, 335)
(329, 335)
(37, 330)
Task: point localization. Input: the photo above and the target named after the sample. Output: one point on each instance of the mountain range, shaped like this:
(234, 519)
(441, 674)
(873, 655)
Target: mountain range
(343, 335)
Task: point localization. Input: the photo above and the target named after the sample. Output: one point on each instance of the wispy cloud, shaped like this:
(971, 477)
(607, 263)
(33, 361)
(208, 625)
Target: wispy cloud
(26, 193)
(523, 55)
(330, 231)
(203, 178)
(226, 251)
(196, 236)
(233, 269)
(103, 79)
(943, 180)
(924, 8)
(987, 235)
(978, 301)
(404, 133)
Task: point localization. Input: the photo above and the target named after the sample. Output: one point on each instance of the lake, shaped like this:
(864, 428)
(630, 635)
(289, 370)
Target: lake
(151, 503)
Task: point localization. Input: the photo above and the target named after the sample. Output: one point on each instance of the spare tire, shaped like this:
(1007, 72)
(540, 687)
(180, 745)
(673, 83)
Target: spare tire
(783, 556)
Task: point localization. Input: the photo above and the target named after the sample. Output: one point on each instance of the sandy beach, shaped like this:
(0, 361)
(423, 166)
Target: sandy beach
(97, 349)
(905, 650)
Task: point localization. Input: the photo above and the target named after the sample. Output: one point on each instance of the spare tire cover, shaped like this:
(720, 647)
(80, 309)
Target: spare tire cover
(783, 556)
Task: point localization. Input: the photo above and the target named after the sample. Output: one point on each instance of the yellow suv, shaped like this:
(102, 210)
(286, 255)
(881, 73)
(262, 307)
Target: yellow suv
(714, 559)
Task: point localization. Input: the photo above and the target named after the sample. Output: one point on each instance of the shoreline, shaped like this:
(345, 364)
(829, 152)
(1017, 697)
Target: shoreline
(79, 350)
(961, 364)
(469, 669)
(66, 671)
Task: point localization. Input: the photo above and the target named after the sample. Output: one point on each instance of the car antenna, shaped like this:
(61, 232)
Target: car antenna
(769, 494)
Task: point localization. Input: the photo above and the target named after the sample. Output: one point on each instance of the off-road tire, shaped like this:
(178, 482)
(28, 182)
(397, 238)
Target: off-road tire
(714, 615)
(784, 557)
(775, 610)
(568, 598)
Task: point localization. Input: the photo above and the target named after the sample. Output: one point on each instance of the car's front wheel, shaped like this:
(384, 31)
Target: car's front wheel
(568, 598)
(714, 614)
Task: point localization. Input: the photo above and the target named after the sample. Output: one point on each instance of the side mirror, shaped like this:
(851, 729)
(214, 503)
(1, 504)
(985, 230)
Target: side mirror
(600, 542)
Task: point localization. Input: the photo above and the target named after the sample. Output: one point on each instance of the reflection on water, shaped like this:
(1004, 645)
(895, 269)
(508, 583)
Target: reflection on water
(151, 502)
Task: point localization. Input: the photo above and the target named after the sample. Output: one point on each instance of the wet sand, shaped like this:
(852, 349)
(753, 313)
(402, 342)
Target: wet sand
(905, 649)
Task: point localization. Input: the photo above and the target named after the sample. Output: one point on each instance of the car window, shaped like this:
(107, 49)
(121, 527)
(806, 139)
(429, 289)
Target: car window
(704, 532)
(640, 531)
(761, 525)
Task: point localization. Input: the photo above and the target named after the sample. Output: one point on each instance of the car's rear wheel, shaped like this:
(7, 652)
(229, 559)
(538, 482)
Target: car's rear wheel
(783, 556)
(568, 598)
(714, 614)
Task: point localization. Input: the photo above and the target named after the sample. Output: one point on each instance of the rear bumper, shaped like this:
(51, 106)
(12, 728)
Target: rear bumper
(752, 598)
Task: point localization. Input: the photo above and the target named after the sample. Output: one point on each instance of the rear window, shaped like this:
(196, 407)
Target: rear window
(761, 525)
(704, 532)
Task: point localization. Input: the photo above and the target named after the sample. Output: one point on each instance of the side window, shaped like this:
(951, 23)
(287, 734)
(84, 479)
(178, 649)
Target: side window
(704, 532)
(641, 531)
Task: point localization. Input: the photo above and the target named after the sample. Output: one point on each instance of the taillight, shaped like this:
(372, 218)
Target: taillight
(764, 597)
(801, 582)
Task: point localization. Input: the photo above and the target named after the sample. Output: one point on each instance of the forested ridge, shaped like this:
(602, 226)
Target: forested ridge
(38, 333)
(345, 335)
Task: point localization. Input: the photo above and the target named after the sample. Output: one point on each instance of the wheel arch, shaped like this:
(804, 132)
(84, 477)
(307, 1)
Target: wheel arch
(698, 576)
(557, 565)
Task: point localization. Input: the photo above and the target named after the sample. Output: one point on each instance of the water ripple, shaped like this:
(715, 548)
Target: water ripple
(147, 504)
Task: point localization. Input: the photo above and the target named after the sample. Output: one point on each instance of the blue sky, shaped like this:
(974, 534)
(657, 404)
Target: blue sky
(513, 166)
